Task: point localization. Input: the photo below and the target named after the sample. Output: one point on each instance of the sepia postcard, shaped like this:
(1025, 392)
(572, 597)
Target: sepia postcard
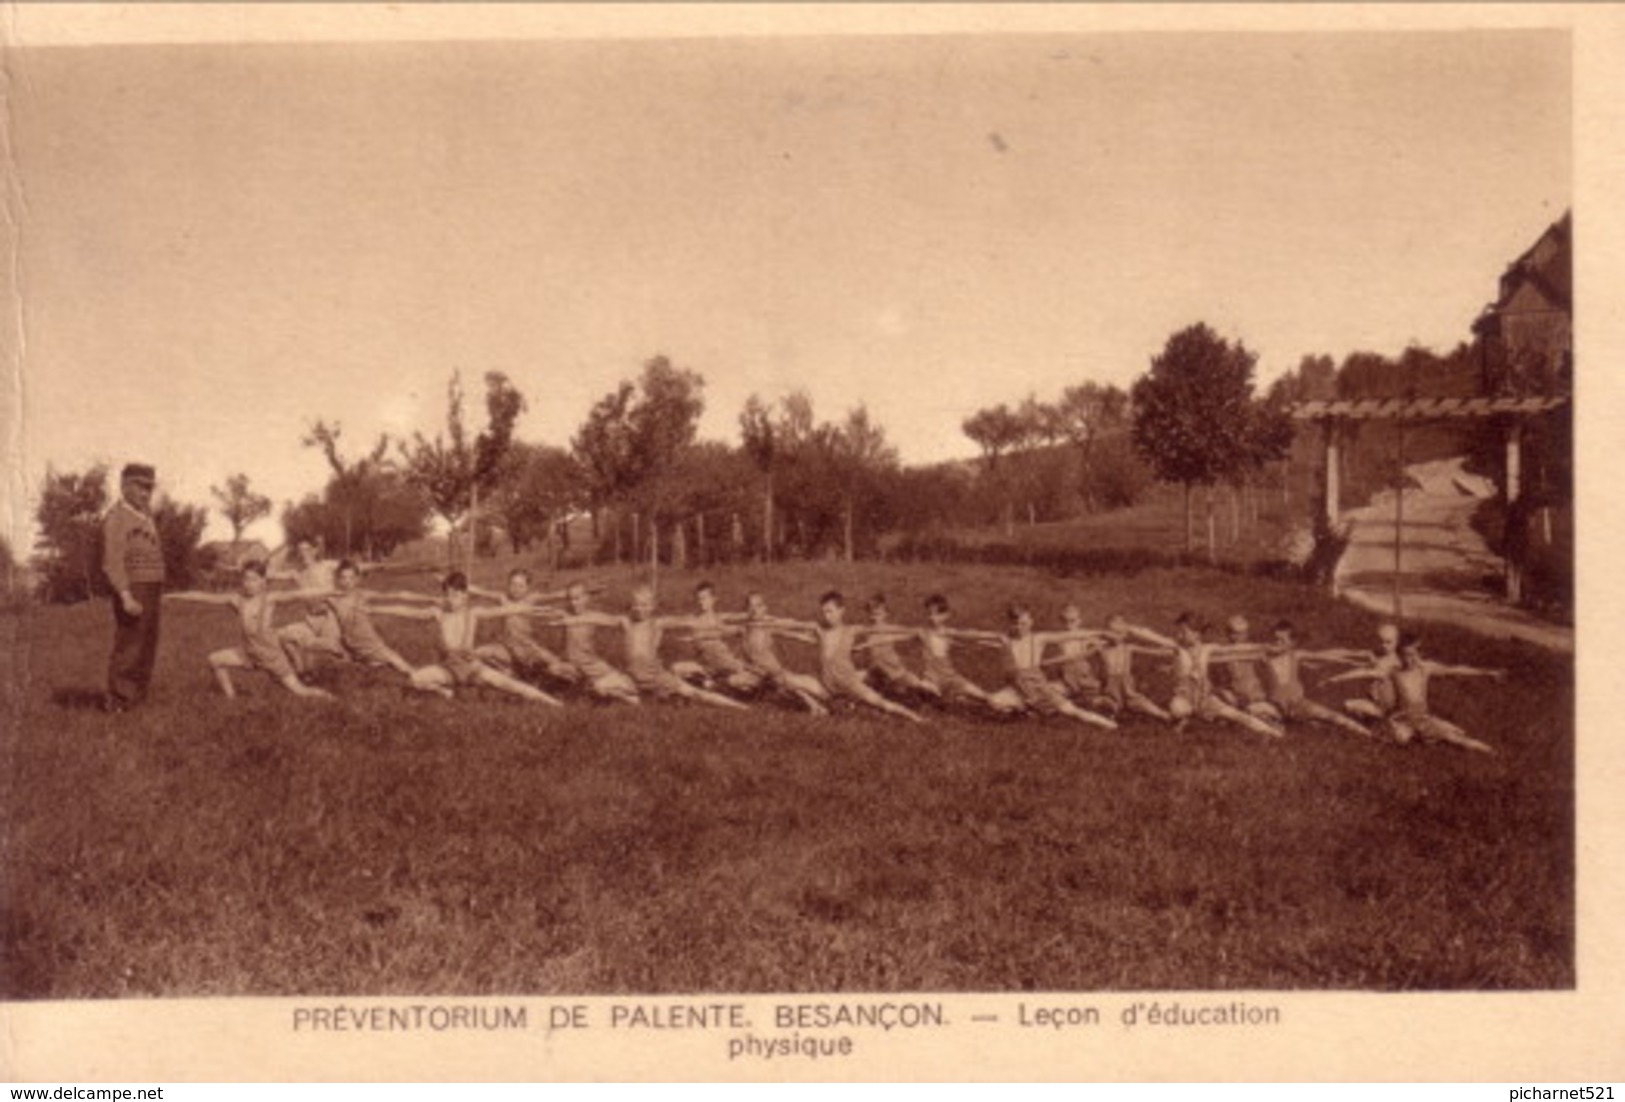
(800, 542)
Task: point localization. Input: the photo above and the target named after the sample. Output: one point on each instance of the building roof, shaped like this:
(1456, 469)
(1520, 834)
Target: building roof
(1420, 409)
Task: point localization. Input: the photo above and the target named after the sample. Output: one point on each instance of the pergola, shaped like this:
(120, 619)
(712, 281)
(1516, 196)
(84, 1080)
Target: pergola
(1333, 414)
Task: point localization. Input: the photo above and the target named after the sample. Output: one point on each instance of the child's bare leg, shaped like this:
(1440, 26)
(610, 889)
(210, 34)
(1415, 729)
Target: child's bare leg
(1136, 702)
(431, 679)
(1326, 715)
(1445, 731)
(891, 707)
(221, 663)
(809, 690)
(495, 655)
(1367, 708)
(299, 688)
(1070, 709)
(1242, 719)
(690, 671)
(1006, 701)
(716, 700)
(507, 683)
(616, 686)
(921, 685)
(1264, 710)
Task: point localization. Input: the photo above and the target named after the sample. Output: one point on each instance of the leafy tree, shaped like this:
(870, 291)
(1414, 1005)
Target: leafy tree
(862, 457)
(346, 490)
(8, 573)
(632, 438)
(710, 486)
(452, 470)
(240, 505)
(603, 451)
(67, 553)
(1087, 412)
(664, 422)
(758, 433)
(180, 533)
(996, 430)
(539, 487)
(381, 508)
(1192, 411)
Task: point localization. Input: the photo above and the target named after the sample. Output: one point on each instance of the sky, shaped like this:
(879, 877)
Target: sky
(219, 244)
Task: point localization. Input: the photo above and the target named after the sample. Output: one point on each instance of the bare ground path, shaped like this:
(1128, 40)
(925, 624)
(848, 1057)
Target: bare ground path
(1445, 563)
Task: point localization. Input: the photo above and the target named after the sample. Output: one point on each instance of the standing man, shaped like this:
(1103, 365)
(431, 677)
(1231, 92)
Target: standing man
(133, 560)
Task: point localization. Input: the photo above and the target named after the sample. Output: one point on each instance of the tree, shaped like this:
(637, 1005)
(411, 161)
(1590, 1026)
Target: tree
(759, 435)
(67, 553)
(861, 456)
(240, 505)
(8, 574)
(1086, 413)
(602, 448)
(1192, 415)
(381, 508)
(349, 478)
(632, 438)
(451, 470)
(996, 430)
(180, 533)
(663, 422)
(540, 486)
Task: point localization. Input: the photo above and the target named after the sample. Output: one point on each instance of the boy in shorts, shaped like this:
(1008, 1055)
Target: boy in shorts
(1412, 717)
(1029, 686)
(1193, 688)
(520, 653)
(460, 665)
(761, 631)
(1119, 694)
(643, 631)
(938, 639)
(1284, 662)
(887, 671)
(1239, 683)
(840, 676)
(709, 632)
(260, 649)
(358, 637)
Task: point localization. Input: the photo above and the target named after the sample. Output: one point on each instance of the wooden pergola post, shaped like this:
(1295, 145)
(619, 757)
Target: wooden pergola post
(1514, 491)
(1333, 490)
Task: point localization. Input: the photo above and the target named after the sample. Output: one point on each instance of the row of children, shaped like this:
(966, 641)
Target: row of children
(1260, 686)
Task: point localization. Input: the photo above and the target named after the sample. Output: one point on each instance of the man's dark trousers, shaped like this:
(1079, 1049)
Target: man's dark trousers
(135, 645)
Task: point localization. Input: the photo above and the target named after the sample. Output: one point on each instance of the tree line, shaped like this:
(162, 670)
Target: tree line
(634, 483)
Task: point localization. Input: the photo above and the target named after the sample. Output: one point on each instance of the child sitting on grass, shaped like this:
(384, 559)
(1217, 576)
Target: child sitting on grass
(840, 676)
(1029, 687)
(643, 631)
(460, 664)
(938, 640)
(261, 649)
(1412, 717)
(761, 651)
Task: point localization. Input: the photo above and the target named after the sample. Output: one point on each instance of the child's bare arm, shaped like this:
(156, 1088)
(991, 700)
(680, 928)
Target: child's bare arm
(401, 595)
(1342, 657)
(1466, 671)
(285, 595)
(406, 612)
(1152, 636)
(596, 619)
(1357, 675)
(200, 598)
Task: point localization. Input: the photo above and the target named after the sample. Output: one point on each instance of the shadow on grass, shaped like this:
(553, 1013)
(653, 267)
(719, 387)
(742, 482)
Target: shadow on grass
(79, 699)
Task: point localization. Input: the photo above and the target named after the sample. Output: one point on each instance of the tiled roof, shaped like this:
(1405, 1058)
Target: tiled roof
(1420, 409)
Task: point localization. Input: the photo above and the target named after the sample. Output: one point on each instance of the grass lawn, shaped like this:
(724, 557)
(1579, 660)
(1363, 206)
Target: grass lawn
(395, 844)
